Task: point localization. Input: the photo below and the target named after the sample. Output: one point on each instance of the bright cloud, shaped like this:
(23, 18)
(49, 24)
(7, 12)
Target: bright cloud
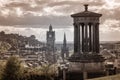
(34, 16)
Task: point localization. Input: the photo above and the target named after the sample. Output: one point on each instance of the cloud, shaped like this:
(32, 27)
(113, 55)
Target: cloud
(36, 21)
(57, 12)
(110, 36)
(40, 12)
(27, 16)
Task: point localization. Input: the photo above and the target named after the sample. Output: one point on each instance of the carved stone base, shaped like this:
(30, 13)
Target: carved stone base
(86, 58)
(87, 67)
(90, 62)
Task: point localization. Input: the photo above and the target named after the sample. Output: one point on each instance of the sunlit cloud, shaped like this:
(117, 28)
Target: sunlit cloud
(28, 17)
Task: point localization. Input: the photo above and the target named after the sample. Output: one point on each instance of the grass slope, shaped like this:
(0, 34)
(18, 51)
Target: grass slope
(114, 77)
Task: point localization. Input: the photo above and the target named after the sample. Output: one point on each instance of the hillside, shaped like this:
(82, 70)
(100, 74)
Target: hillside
(16, 41)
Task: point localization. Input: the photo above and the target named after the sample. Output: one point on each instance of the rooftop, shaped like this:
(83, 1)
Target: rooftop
(86, 13)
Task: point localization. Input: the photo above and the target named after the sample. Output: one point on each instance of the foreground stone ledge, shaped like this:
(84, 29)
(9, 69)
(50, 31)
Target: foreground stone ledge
(114, 77)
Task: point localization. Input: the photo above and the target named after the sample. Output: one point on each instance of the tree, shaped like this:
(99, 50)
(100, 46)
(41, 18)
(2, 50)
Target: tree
(2, 33)
(48, 70)
(12, 69)
(32, 37)
(2, 65)
(4, 46)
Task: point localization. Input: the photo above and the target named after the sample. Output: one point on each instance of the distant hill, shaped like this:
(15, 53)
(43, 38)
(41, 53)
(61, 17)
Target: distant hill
(18, 41)
(59, 46)
(103, 42)
(71, 44)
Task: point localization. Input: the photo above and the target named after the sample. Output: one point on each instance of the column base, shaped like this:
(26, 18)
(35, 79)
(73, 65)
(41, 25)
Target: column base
(86, 58)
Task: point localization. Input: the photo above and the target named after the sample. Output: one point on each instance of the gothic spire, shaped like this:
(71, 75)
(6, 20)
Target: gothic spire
(64, 41)
(64, 49)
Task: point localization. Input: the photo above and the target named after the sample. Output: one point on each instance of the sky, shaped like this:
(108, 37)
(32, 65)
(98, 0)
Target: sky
(33, 17)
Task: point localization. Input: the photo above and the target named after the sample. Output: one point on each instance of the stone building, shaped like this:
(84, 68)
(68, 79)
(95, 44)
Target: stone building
(86, 36)
(50, 39)
(50, 45)
(86, 58)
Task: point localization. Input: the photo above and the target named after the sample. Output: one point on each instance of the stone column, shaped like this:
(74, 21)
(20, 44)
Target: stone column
(75, 38)
(86, 37)
(90, 46)
(97, 38)
(82, 37)
(94, 38)
(91, 37)
(78, 25)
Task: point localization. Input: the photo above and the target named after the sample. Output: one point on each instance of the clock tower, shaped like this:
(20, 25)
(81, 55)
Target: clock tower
(51, 39)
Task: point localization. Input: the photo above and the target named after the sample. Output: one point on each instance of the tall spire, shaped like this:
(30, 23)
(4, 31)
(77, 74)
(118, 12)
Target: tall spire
(50, 27)
(64, 49)
(64, 41)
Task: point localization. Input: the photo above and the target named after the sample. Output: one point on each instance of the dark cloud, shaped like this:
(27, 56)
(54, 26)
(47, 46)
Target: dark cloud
(24, 6)
(17, 4)
(31, 21)
(112, 14)
(77, 3)
(65, 7)
(68, 7)
(37, 14)
(43, 2)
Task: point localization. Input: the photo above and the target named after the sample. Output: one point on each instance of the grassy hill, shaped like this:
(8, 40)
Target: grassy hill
(16, 41)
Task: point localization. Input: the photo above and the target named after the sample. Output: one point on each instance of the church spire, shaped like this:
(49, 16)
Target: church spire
(64, 49)
(64, 41)
(50, 27)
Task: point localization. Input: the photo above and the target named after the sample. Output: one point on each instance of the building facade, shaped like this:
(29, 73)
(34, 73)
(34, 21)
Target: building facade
(50, 39)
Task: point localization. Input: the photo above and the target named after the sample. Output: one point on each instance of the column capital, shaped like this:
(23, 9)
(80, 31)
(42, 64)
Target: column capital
(90, 24)
(96, 23)
(86, 23)
(76, 24)
(82, 24)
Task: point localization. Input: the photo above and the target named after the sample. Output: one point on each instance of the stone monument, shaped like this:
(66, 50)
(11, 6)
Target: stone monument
(86, 57)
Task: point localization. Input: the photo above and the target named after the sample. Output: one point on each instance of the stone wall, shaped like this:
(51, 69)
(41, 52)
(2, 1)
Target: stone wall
(89, 67)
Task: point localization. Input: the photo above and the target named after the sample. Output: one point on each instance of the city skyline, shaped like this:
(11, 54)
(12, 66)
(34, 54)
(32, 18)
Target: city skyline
(33, 17)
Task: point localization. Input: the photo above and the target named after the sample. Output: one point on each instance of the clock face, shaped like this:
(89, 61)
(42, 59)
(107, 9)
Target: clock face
(50, 35)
